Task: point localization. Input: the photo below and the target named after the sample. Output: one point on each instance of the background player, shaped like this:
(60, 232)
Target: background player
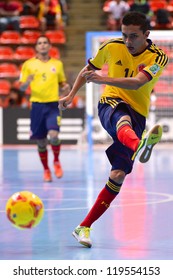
(45, 76)
(134, 66)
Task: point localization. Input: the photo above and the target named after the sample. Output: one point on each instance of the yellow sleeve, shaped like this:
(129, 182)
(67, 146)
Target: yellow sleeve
(101, 57)
(24, 73)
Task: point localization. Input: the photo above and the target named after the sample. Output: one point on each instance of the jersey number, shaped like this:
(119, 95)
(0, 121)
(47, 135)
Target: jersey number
(44, 76)
(127, 73)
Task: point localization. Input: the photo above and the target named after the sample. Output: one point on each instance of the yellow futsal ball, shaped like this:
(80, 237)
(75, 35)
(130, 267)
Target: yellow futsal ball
(24, 210)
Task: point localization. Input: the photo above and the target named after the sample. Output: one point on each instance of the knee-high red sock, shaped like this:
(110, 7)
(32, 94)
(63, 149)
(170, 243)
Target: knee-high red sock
(56, 151)
(43, 155)
(102, 203)
(128, 137)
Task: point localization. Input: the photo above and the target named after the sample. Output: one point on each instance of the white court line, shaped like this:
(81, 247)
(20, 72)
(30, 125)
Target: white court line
(168, 198)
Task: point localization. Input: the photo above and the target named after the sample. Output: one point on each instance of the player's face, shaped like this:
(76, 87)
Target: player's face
(42, 46)
(134, 38)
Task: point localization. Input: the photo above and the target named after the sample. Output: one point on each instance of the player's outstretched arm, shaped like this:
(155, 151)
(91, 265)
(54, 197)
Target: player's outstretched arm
(79, 82)
(125, 82)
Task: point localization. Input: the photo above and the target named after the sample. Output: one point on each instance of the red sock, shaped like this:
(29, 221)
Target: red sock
(56, 151)
(128, 137)
(44, 159)
(101, 205)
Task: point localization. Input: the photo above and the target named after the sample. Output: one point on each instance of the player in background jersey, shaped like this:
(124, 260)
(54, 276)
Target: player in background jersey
(134, 66)
(46, 78)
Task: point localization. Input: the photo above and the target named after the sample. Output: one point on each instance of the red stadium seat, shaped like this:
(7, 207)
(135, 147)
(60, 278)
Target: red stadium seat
(30, 36)
(24, 52)
(56, 36)
(163, 86)
(9, 70)
(54, 52)
(10, 37)
(159, 4)
(29, 22)
(4, 87)
(164, 102)
(6, 53)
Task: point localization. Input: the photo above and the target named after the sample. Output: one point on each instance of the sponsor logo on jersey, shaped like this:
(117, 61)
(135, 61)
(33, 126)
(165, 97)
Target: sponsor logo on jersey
(118, 63)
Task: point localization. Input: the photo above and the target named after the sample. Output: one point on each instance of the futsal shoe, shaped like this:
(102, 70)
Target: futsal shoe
(82, 234)
(150, 139)
(47, 177)
(58, 169)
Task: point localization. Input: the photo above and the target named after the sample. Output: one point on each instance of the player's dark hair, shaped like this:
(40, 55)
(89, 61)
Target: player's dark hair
(136, 18)
(43, 36)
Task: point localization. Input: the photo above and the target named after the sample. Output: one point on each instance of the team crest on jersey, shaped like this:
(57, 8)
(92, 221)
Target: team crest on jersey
(141, 67)
(154, 69)
(53, 69)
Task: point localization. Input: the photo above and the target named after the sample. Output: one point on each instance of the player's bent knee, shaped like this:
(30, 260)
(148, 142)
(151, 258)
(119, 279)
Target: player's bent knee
(117, 176)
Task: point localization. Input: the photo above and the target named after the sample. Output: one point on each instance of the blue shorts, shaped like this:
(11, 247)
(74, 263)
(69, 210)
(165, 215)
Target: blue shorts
(118, 154)
(44, 117)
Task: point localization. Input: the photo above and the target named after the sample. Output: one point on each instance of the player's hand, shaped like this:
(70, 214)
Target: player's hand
(64, 102)
(92, 76)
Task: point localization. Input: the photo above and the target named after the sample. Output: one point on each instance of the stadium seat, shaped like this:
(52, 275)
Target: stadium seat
(5, 86)
(155, 5)
(9, 70)
(29, 22)
(168, 71)
(54, 52)
(164, 102)
(163, 86)
(56, 36)
(10, 37)
(30, 36)
(24, 52)
(6, 53)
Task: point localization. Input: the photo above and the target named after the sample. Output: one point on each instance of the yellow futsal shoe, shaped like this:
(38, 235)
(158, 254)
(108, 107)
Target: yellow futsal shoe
(82, 234)
(150, 139)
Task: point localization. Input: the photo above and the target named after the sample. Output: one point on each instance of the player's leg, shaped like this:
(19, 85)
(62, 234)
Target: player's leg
(125, 133)
(56, 146)
(53, 123)
(39, 133)
(102, 203)
(43, 155)
(116, 178)
(142, 148)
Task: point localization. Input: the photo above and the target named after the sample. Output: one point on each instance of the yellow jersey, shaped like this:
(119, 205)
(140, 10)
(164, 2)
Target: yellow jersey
(121, 63)
(47, 76)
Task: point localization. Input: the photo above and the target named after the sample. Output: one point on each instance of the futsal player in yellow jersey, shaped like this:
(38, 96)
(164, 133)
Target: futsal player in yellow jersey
(46, 77)
(134, 66)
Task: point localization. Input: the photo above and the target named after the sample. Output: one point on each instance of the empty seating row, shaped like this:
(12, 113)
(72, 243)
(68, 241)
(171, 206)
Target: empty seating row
(30, 36)
(23, 52)
(29, 22)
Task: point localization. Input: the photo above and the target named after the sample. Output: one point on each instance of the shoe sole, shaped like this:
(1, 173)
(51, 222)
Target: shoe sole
(152, 138)
(88, 245)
